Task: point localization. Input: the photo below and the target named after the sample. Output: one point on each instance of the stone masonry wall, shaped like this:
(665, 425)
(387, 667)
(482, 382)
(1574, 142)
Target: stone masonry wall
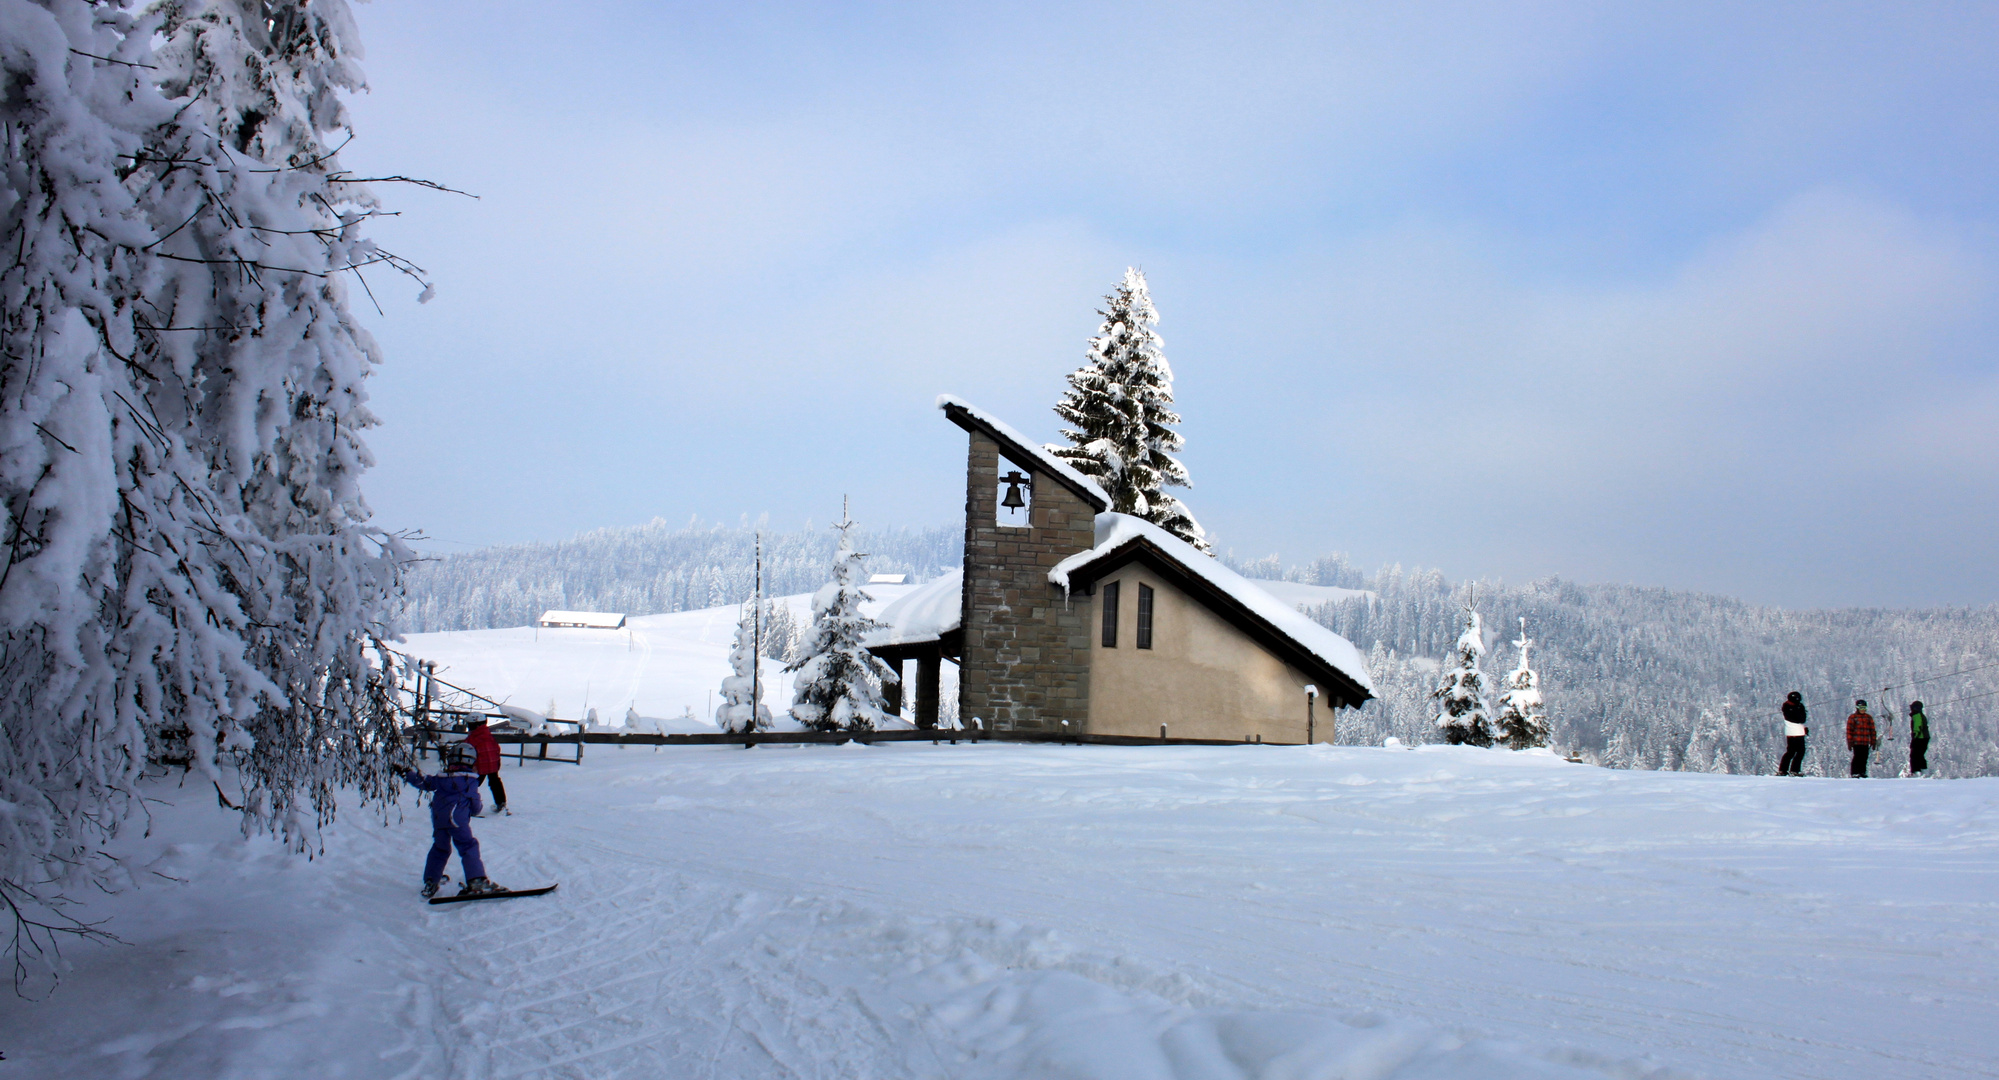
(1027, 647)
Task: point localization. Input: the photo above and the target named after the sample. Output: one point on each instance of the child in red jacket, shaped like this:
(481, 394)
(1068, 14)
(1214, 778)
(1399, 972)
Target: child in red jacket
(489, 763)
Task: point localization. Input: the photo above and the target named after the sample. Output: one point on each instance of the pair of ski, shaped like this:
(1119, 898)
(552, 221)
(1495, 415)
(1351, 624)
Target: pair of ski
(497, 894)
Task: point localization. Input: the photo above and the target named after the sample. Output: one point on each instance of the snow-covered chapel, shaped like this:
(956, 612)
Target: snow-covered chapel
(1069, 618)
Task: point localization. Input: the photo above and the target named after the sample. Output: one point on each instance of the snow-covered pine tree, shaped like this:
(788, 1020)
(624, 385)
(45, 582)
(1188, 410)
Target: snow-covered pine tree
(1120, 408)
(1523, 722)
(780, 630)
(742, 707)
(1462, 715)
(182, 390)
(838, 687)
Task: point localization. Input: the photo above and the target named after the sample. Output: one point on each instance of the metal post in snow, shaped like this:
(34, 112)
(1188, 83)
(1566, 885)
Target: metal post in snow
(757, 635)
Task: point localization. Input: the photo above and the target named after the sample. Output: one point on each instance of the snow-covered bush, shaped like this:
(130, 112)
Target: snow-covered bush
(1462, 715)
(181, 401)
(838, 687)
(1523, 722)
(1120, 408)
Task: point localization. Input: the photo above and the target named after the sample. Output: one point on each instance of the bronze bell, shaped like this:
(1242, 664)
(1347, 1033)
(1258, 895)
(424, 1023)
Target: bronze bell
(1013, 500)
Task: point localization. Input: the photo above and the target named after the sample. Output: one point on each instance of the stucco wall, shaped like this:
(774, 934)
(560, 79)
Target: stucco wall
(1203, 678)
(1026, 659)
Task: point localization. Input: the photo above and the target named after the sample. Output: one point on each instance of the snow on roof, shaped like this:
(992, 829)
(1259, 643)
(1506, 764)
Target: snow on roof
(926, 614)
(594, 620)
(1042, 458)
(1116, 530)
(889, 579)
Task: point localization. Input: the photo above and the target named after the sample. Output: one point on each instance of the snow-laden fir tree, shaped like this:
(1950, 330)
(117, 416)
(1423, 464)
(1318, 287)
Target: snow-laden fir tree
(1523, 721)
(781, 631)
(1119, 406)
(182, 391)
(838, 686)
(1462, 715)
(742, 707)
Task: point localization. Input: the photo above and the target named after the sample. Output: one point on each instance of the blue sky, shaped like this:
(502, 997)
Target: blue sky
(1694, 295)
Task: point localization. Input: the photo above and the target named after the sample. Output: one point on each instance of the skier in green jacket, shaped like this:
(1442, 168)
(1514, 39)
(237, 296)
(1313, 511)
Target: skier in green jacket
(1919, 739)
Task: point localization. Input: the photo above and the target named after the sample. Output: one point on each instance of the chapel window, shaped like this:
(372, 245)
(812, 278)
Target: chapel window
(1110, 615)
(1145, 616)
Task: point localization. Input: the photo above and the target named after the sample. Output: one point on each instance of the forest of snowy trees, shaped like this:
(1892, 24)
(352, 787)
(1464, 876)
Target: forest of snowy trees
(1654, 678)
(1633, 677)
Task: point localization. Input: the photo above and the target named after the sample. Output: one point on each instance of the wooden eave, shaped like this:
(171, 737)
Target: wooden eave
(1334, 683)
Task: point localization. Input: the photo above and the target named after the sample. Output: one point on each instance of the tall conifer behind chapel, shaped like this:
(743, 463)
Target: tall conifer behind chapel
(1119, 406)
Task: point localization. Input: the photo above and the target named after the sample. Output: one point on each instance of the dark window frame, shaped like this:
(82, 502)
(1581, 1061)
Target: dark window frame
(1143, 628)
(1110, 591)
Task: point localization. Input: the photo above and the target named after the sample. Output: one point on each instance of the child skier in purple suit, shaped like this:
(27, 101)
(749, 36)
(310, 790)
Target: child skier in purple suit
(454, 802)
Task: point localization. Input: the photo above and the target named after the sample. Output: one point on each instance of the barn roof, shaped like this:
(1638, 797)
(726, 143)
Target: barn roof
(594, 620)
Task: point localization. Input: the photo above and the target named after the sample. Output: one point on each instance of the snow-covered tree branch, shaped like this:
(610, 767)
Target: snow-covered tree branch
(186, 553)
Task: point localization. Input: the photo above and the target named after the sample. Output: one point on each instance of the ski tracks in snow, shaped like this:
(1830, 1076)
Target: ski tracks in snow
(648, 965)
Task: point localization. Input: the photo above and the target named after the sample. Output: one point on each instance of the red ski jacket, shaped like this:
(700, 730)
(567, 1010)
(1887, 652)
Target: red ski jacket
(1860, 730)
(488, 747)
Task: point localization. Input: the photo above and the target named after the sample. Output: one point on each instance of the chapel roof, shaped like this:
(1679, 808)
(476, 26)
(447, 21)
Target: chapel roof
(1122, 539)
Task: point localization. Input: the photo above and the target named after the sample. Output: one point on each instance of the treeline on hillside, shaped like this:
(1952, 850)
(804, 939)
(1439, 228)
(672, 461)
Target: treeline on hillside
(1661, 679)
(1634, 678)
(651, 569)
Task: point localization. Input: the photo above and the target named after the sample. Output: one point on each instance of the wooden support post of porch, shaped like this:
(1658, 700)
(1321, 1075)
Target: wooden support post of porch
(929, 668)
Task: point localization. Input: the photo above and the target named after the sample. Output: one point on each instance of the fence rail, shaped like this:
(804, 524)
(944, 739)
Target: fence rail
(894, 735)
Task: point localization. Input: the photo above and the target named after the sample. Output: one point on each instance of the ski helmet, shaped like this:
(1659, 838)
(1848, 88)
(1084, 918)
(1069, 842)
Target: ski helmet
(1796, 696)
(460, 755)
(1915, 707)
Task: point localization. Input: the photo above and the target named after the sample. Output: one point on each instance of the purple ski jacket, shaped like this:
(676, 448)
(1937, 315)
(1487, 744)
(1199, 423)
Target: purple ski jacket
(454, 798)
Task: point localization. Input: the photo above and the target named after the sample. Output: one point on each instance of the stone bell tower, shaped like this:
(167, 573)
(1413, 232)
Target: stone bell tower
(1026, 659)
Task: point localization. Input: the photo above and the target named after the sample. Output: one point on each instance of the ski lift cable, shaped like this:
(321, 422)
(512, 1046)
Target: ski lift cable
(1928, 705)
(1913, 682)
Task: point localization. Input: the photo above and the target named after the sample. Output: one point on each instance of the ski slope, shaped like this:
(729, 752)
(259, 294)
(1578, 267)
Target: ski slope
(1156, 913)
(662, 666)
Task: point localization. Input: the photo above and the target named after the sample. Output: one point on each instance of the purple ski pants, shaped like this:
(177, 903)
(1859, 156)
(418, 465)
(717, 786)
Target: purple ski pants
(441, 840)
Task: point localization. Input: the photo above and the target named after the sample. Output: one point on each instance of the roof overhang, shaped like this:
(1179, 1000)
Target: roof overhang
(1337, 685)
(1027, 457)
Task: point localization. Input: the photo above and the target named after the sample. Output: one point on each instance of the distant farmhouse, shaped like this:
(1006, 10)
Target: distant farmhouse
(587, 620)
(1067, 617)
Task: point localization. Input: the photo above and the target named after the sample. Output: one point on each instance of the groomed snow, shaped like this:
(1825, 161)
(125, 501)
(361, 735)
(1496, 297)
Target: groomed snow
(1114, 530)
(1146, 913)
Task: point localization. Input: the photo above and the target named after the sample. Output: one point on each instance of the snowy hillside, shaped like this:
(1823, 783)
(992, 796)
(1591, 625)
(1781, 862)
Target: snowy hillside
(986, 911)
(662, 666)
